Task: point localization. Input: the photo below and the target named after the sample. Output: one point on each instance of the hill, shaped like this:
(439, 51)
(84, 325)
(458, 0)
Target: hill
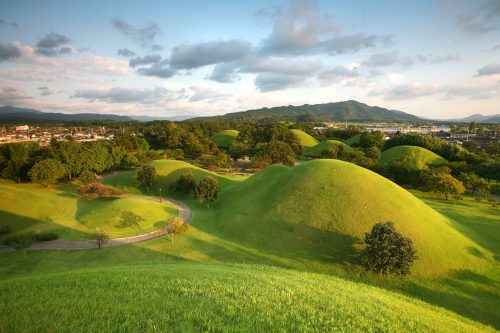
(339, 111)
(10, 114)
(354, 140)
(338, 202)
(191, 297)
(479, 118)
(224, 138)
(418, 156)
(305, 139)
(325, 145)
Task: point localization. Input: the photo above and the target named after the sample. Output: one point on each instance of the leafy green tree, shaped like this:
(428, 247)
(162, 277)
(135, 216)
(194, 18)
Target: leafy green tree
(47, 172)
(239, 150)
(372, 139)
(387, 251)
(22, 242)
(68, 153)
(146, 176)
(332, 152)
(373, 153)
(207, 189)
(274, 152)
(446, 184)
(185, 184)
(176, 226)
(87, 177)
(100, 237)
(218, 160)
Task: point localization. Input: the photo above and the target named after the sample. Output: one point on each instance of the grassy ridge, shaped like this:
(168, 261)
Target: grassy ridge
(353, 140)
(305, 139)
(224, 138)
(197, 297)
(62, 211)
(325, 145)
(418, 156)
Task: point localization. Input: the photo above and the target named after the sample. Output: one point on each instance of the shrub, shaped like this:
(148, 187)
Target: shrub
(100, 237)
(387, 251)
(87, 177)
(45, 236)
(185, 184)
(97, 190)
(478, 199)
(5, 229)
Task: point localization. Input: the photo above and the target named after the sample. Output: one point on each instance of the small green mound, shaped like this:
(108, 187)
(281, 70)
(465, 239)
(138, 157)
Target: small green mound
(418, 156)
(305, 139)
(192, 297)
(124, 217)
(224, 138)
(327, 198)
(353, 140)
(325, 145)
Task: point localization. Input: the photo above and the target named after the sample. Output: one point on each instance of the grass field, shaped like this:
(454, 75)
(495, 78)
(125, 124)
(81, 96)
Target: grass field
(224, 138)
(60, 210)
(418, 156)
(197, 297)
(325, 145)
(305, 139)
(243, 227)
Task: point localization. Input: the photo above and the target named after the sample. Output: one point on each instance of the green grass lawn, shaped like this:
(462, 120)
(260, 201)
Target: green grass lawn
(199, 297)
(353, 140)
(418, 156)
(224, 138)
(325, 145)
(270, 219)
(34, 208)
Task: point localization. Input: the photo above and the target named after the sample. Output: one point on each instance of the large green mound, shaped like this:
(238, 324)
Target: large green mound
(346, 200)
(33, 208)
(219, 298)
(418, 156)
(325, 145)
(305, 139)
(224, 138)
(353, 140)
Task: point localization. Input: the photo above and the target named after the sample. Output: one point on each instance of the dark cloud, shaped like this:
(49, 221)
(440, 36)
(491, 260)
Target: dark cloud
(189, 56)
(11, 24)
(146, 60)
(9, 51)
(160, 70)
(350, 43)
(383, 59)
(126, 53)
(53, 44)
(12, 95)
(45, 91)
(122, 95)
(266, 82)
(482, 19)
(144, 37)
(491, 69)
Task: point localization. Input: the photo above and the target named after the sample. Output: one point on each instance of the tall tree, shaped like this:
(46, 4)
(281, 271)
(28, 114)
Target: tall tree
(47, 171)
(146, 176)
(207, 190)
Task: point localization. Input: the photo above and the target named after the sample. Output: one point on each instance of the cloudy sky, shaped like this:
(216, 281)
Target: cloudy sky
(435, 58)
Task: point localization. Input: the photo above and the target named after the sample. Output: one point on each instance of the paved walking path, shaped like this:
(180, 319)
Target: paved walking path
(184, 213)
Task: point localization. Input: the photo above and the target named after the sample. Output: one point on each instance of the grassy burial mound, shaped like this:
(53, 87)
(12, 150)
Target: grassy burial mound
(305, 139)
(353, 140)
(168, 171)
(325, 145)
(224, 138)
(32, 208)
(332, 197)
(191, 297)
(418, 156)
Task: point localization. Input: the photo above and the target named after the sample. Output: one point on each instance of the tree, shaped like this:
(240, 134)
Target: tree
(446, 184)
(146, 176)
(47, 171)
(387, 251)
(274, 152)
(185, 184)
(87, 177)
(371, 139)
(22, 242)
(207, 190)
(100, 237)
(373, 153)
(238, 150)
(176, 226)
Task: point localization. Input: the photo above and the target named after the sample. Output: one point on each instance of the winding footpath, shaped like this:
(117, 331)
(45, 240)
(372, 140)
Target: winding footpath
(184, 213)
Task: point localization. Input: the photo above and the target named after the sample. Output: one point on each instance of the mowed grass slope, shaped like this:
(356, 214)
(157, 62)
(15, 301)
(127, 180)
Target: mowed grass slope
(339, 201)
(305, 139)
(418, 156)
(191, 297)
(353, 140)
(325, 145)
(34, 208)
(224, 138)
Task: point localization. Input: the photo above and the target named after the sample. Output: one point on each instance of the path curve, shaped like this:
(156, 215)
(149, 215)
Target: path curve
(185, 214)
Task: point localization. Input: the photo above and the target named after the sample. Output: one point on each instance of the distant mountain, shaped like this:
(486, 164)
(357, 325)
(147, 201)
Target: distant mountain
(479, 118)
(149, 118)
(340, 111)
(10, 114)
